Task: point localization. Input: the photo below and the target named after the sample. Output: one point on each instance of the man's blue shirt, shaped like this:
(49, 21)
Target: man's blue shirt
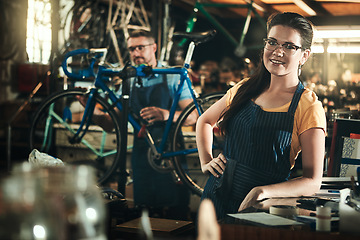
(172, 80)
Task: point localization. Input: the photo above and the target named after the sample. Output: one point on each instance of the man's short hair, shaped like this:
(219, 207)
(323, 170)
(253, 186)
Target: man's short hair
(141, 33)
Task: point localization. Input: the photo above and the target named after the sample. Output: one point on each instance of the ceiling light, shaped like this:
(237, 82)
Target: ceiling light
(317, 49)
(255, 5)
(350, 33)
(343, 49)
(305, 7)
(336, 49)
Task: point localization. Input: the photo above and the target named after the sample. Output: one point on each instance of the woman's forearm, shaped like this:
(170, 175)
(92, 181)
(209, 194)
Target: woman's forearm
(204, 139)
(302, 186)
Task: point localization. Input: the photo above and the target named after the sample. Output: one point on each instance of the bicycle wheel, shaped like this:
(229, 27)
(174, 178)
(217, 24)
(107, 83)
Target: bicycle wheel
(187, 166)
(57, 120)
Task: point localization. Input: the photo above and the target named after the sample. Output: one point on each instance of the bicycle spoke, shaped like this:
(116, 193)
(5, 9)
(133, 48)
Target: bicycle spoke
(187, 164)
(57, 134)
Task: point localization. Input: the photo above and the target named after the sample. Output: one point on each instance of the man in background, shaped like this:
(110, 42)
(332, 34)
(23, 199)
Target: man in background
(151, 98)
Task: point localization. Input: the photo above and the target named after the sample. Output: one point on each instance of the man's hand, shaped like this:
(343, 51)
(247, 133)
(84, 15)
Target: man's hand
(99, 117)
(153, 114)
(83, 100)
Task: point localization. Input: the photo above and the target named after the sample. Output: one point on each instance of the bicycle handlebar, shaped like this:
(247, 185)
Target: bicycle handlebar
(99, 54)
(132, 71)
(127, 72)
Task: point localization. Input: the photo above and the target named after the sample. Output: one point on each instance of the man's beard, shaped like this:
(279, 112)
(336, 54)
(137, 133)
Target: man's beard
(139, 60)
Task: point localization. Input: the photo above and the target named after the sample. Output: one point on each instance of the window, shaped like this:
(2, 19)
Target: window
(38, 36)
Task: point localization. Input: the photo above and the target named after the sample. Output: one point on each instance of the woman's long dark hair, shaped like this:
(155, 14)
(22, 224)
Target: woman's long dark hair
(260, 80)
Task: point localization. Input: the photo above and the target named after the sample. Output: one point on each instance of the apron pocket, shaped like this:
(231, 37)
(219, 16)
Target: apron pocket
(224, 186)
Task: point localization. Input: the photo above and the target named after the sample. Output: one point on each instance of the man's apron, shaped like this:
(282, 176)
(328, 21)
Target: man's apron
(152, 188)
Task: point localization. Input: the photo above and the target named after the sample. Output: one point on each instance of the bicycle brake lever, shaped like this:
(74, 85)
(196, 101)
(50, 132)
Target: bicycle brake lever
(147, 70)
(127, 72)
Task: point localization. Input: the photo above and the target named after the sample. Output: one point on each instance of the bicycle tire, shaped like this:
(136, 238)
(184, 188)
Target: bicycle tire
(187, 167)
(97, 147)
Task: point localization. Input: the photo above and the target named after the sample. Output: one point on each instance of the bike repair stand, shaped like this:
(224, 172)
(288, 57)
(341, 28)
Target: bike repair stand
(126, 74)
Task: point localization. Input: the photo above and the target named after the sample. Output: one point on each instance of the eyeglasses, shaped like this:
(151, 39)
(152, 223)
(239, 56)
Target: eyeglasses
(288, 48)
(140, 48)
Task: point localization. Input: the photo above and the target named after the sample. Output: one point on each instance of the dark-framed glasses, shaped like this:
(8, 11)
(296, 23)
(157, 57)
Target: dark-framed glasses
(139, 47)
(288, 48)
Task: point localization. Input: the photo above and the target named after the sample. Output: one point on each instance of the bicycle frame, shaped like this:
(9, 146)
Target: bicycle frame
(100, 84)
(49, 133)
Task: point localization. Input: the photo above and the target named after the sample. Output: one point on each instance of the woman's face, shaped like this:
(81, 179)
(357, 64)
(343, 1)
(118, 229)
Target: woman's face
(281, 61)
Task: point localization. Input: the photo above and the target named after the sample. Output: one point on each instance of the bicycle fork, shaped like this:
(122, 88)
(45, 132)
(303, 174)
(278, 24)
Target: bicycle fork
(78, 136)
(86, 120)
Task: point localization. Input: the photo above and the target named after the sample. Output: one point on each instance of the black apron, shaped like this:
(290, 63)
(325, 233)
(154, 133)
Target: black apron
(257, 150)
(151, 188)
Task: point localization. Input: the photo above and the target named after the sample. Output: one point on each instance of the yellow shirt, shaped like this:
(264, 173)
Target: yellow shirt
(309, 114)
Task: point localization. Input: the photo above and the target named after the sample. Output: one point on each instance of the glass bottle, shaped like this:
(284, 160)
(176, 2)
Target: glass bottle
(60, 203)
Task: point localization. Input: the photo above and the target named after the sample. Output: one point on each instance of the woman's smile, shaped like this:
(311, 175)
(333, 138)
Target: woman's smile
(277, 62)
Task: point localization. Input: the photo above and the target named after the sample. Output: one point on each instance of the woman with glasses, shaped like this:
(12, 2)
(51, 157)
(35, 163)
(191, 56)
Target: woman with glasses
(267, 120)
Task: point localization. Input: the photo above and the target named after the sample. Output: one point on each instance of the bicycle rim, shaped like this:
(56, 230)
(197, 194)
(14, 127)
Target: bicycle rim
(57, 120)
(188, 166)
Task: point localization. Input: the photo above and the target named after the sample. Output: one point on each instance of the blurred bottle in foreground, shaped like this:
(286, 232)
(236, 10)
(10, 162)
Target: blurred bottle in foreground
(60, 203)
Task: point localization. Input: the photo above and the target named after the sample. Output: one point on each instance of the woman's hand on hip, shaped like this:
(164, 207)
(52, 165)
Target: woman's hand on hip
(216, 166)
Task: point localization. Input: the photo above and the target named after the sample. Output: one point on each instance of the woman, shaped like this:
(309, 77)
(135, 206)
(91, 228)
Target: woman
(267, 120)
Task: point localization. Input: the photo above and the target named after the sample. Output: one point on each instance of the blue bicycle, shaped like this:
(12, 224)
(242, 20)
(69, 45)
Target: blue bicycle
(64, 128)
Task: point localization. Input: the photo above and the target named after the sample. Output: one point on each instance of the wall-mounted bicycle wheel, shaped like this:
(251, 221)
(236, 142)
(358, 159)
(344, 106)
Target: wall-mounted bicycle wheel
(187, 166)
(57, 120)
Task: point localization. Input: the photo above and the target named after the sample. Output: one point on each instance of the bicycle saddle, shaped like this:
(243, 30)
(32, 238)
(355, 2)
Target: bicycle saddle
(196, 37)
